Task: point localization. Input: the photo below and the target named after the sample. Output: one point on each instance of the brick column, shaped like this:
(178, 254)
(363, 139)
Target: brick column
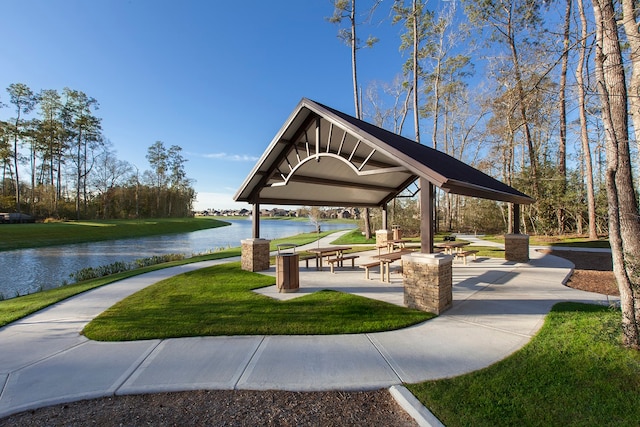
(428, 281)
(516, 247)
(255, 255)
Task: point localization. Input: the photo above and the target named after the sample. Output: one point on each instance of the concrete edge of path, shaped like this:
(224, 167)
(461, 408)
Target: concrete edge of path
(414, 407)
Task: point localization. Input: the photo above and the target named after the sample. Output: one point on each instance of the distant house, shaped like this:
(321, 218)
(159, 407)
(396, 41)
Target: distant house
(14, 217)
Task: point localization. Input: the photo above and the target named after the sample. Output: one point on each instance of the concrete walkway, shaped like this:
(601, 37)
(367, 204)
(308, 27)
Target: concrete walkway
(498, 306)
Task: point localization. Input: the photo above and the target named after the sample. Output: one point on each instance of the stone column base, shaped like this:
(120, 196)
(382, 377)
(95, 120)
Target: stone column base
(516, 247)
(428, 281)
(255, 255)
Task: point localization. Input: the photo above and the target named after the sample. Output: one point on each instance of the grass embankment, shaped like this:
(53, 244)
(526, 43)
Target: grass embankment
(21, 236)
(219, 301)
(573, 373)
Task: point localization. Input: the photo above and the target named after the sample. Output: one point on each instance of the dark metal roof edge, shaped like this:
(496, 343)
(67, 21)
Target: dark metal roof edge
(274, 142)
(414, 165)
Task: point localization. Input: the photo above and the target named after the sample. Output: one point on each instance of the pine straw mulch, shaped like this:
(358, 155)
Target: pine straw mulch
(593, 272)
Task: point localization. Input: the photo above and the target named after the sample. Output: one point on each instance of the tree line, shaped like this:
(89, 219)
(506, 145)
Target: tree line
(542, 94)
(57, 163)
(506, 86)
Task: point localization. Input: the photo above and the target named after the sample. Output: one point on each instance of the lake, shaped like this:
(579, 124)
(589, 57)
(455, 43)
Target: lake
(26, 271)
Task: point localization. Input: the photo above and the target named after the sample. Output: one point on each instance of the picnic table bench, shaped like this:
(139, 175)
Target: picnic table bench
(368, 266)
(340, 260)
(306, 259)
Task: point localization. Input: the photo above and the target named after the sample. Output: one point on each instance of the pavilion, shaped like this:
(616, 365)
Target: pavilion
(323, 157)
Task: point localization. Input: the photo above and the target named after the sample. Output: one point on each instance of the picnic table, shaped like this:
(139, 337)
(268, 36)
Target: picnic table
(451, 247)
(327, 251)
(392, 243)
(385, 262)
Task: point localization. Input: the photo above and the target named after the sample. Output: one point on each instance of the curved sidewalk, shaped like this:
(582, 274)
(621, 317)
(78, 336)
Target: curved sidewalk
(498, 306)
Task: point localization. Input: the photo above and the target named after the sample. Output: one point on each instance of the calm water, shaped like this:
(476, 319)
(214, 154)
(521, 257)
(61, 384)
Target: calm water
(29, 270)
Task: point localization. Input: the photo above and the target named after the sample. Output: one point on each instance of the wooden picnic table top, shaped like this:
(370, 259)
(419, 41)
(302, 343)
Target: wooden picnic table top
(452, 244)
(320, 252)
(392, 256)
(328, 249)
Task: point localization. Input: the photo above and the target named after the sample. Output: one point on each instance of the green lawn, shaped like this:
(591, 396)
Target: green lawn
(354, 237)
(219, 301)
(573, 373)
(20, 236)
(568, 241)
(300, 239)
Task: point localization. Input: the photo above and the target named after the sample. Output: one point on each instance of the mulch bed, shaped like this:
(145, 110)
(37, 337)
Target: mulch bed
(224, 408)
(593, 271)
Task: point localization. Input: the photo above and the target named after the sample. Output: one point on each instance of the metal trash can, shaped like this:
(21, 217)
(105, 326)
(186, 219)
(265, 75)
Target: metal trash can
(288, 273)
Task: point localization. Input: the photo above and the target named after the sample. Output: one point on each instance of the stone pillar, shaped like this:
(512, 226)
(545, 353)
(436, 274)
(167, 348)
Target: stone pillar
(382, 236)
(516, 247)
(428, 281)
(255, 254)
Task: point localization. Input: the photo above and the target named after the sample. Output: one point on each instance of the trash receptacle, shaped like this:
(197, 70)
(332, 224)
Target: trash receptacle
(397, 232)
(288, 273)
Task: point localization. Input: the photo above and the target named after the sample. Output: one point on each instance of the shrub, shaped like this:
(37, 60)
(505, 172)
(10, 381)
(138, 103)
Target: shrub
(120, 266)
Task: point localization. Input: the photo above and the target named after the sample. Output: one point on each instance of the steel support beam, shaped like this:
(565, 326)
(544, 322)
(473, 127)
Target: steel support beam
(426, 216)
(255, 221)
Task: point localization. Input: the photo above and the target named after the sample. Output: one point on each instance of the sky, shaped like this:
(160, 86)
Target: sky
(217, 78)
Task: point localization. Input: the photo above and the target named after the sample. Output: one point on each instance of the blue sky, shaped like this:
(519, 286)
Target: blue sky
(218, 78)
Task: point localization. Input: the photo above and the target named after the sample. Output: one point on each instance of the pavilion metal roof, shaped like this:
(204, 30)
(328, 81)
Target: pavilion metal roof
(323, 157)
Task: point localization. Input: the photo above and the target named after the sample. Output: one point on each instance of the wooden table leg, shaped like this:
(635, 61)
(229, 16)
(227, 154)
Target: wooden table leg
(388, 272)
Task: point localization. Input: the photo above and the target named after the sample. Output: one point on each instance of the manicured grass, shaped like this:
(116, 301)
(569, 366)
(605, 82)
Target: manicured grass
(20, 236)
(219, 301)
(573, 373)
(354, 237)
(17, 308)
(568, 241)
(300, 239)
(488, 251)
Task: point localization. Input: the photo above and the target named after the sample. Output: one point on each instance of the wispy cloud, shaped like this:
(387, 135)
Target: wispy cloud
(232, 157)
